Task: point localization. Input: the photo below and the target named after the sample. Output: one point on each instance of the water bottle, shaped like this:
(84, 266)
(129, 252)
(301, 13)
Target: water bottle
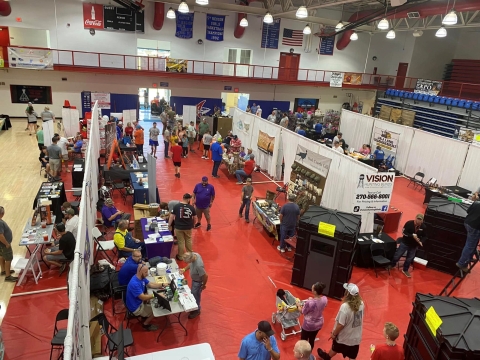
(175, 296)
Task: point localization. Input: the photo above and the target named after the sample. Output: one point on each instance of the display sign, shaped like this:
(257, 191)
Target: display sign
(265, 142)
(24, 58)
(433, 320)
(270, 34)
(93, 16)
(373, 192)
(101, 17)
(102, 98)
(327, 44)
(352, 79)
(386, 139)
(326, 229)
(163, 84)
(428, 87)
(23, 94)
(227, 88)
(215, 27)
(176, 65)
(184, 29)
(336, 79)
(315, 162)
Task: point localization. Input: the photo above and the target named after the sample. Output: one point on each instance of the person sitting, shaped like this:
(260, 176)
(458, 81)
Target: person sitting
(242, 152)
(125, 242)
(379, 155)
(365, 150)
(318, 128)
(302, 131)
(129, 130)
(66, 205)
(248, 154)
(43, 158)
(137, 299)
(247, 170)
(228, 140)
(110, 214)
(337, 147)
(71, 222)
(129, 268)
(64, 251)
(338, 137)
(77, 148)
(235, 144)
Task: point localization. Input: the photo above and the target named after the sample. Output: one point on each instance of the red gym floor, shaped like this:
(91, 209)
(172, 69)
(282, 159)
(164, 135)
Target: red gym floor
(239, 258)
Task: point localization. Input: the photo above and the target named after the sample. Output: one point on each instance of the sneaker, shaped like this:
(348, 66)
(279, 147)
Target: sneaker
(289, 248)
(62, 268)
(206, 157)
(209, 227)
(216, 177)
(150, 327)
(203, 157)
(280, 249)
(194, 314)
(178, 175)
(197, 225)
(240, 183)
(406, 273)
(322, 354)
(247, 221)
(3, 273)
(167, 157)
(464, 269)
(11, 278)
(240, 215)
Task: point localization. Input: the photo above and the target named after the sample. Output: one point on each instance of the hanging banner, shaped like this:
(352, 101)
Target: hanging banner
(387, 140)
(336, 79)
(327, 44)
(352, 79)
(24, 58)
(102, 98)
(270, 35)
(184, 25)
(215, 27)
(373, 193)
(265, 143)
(23, 94)
(428, 87)
(315, 162)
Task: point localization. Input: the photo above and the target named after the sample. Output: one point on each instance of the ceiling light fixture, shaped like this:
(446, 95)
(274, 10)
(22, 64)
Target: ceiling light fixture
(268, 18)
(339, 26)
(450, 18)
(202, 2)
(354, 36)
(171, 14)
(391, 34)
(383, 24)
(302, 12)
(441, 33)
(244, 22)
(183, 7)
(307, 30)
(417, 33)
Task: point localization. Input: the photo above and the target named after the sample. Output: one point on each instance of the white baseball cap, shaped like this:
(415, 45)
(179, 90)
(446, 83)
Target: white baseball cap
(351, 288)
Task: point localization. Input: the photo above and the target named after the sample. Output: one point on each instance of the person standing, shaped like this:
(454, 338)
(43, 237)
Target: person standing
(40, 140)
(253, 109)
(184, 216)
(184, 146)
(246, 199)
(389, 350)
(259, 111)
(284, 121)
(166, 141)
(302, 200)
(6, 252)
(347, 332)
(26, 113)
(203, 197)
(47, 115)
(289, 216)
(217, 156)
(414, 231)
(119, 129)
(338, 137)
(63, 144)
(153, 140)
(191, 134)
(32, 120)
(379, 155)
(472, 224)
(202, 129)
(260, 344)
(207, 140)
(139, 139)
(177, 158)
(303, 351)
(199, 278)
(312, 310)
(272, 117)
(54, 157)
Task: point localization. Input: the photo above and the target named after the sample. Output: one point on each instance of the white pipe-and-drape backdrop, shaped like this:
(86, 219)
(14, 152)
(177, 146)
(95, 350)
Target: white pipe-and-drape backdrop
(356, 128)
(470, 177)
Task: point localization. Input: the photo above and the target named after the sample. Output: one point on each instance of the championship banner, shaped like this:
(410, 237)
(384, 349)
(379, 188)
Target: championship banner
(373, 193)
(265, 142)
(352, 79)
(315, 162)
(336, 79)
(428, 87)
(24, 58)
(387, 140)
(215, 27)
(102, 98)
(184, 29)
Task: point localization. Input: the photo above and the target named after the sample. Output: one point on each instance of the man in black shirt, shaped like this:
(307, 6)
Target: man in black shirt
(472, 224)
(414, 232)
(185, 217)
(64, 251)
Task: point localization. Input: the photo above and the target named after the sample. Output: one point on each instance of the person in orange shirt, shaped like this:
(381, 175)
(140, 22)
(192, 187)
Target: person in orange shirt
(139, 139)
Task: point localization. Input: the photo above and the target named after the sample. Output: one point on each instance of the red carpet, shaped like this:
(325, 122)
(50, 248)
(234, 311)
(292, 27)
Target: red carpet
(239, 258)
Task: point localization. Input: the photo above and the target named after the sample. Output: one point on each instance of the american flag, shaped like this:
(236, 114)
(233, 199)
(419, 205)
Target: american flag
(292, 37)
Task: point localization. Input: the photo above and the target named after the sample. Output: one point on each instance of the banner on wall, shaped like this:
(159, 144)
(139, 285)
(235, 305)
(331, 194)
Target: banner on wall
(386, 139)
(373, 192)
(215, 27)
(315, 162)
(428, 87)
(102, 98)
(265, 143)
(270, 35)
(177, 65)
(184, 23)
(336, 79)
(99, 17)
(352, 79)
(24, 58)
(327, 43)
(23, 94)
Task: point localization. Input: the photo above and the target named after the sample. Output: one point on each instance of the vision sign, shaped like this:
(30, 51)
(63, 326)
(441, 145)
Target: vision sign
(373, 192)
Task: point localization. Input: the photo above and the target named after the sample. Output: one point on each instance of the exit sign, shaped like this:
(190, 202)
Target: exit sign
(164, 84)
(227, 88)
(154, 85)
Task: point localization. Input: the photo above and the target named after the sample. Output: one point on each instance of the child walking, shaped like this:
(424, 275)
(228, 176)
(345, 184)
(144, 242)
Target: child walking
(246, 199)
(184, 146)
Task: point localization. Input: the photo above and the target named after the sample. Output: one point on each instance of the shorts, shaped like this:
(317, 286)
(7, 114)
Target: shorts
(144, 310)
(191, 140)
(65, 157)
(6, 254)
(177, 163)
(55, 164)
(206, 147)
(153, 142)
(350, 351)
(205, 212)
(40, 146)
(55, 257)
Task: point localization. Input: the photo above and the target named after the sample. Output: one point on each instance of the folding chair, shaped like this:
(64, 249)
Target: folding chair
(128, 314)
(116, 288)
(115, 185)
(281, 190)
(102, 245)
(380, 259)
(78, 195)
(59, 334)
(417, 179)
(113, 335)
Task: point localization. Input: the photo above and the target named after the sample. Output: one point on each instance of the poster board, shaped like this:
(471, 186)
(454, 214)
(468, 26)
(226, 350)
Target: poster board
(129, 116)
(70, 120)
(385, 112)
(428, 87)
(265, 142)
(386, 139)
(373, 193)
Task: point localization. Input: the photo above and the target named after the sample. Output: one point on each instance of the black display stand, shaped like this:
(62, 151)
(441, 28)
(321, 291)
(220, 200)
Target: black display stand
(322, 258)
(446, 234)
(456, 338)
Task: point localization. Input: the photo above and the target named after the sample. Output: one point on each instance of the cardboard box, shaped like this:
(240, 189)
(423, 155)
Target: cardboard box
(95, 339)
(139, 211)
(96, 306)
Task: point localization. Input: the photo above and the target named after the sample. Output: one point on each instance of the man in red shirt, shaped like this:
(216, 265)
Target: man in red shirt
(177, 158)
(390, 350)
(247, 170)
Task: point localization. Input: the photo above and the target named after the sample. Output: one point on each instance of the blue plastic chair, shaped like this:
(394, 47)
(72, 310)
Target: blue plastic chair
(476, 105)
(401, 94)
(448, 102)
(421, 97)
(396, 92)
(415, 96)
(443, 99)
(410, 95)
(461, 103)
(389, 92)
(436, 99)
(455, 102)
(468, 104)
(431, 98)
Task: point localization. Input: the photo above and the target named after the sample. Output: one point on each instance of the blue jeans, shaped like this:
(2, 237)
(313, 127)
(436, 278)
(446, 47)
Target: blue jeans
(246, 205)
(130, 243)
(411, 250)
(166, 148)
(216, 165)
(285, 233)
(473, 235)
(197, 292)
(241, 175)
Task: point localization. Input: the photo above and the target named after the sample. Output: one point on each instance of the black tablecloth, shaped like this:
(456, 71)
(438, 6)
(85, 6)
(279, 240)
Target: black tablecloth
(363, 257)
(77, 176)
(457, 190)
(57, 202)
(7, 124)
(119, 173)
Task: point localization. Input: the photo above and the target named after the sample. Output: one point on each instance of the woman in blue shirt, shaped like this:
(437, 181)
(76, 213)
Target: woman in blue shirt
(379, 156)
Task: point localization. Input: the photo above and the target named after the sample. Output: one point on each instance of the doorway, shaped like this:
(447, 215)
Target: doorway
(151, 96)
(4, 44)
(233, 100)
(288, 66)
(401, 75)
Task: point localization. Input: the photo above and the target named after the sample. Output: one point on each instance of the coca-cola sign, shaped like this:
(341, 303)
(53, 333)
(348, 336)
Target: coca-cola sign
(93, 16)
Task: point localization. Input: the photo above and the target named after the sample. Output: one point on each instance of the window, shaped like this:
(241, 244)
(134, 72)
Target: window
(246, 57)
(239, 56)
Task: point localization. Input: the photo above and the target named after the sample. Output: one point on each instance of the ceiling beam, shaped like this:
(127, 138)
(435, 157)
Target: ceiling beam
(474, 15)
(329, 4)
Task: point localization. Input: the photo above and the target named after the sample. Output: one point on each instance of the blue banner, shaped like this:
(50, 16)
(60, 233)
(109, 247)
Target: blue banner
(270, 34)
(184, 25)
(215, 27)
(327, 43)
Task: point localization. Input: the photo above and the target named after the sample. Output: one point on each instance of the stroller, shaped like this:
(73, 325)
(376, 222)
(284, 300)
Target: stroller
(287, 314)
